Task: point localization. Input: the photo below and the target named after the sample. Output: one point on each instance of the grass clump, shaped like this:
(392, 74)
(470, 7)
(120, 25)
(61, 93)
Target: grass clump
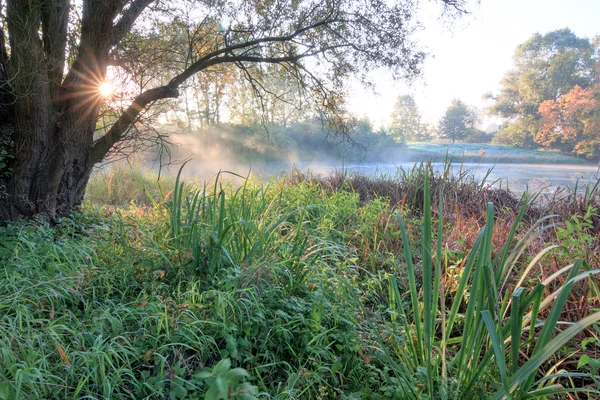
(121, 184)
(485, 326)
(301, 288)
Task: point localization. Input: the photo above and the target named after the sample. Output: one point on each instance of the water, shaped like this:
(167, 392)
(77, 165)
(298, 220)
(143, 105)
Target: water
(516, 177)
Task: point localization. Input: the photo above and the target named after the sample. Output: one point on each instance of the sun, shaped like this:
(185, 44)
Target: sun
(106, 89)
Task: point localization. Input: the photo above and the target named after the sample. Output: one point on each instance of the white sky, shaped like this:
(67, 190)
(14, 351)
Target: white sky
(470, 60)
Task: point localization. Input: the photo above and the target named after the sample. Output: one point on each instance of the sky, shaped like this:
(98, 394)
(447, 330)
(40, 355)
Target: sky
(470, 58)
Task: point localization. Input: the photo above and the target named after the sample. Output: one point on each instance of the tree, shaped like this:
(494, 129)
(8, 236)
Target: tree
(53, 60)
(282, 101)
(406, 120)
(458, 122)
(546, 67)
(572, 122)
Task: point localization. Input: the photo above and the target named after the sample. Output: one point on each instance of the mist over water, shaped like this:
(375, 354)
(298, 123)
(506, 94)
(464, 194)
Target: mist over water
(205, 162)
(516, 177)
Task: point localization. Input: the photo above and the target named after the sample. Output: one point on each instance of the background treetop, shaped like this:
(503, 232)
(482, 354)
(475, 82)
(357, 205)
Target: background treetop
(546, 68)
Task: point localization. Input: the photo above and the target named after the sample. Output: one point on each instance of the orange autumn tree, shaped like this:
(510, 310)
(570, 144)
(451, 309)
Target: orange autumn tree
(572, 122)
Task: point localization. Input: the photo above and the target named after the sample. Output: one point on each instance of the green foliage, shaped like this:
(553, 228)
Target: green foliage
(458, 122)
(576, 235)
(406, 121)
(225, 382)
(122, 184)
(518, 134)
(278, 291)
(459, 342)
(545, 67)
(590, 360)
(479, 136)
(298, 141)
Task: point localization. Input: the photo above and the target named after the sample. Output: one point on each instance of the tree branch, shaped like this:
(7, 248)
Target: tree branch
(102, 146)
(202, 62)
(55, 19)
(250, 51)
(130, 15)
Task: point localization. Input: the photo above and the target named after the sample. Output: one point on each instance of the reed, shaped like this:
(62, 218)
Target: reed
(460, 341)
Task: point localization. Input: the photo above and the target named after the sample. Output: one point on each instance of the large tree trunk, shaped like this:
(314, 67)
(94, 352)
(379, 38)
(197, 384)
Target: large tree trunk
(52, 121)
(47, 118)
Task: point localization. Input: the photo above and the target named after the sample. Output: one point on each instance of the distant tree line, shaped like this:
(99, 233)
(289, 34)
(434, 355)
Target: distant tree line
(297, 141)
(550, 99)
(460, 123)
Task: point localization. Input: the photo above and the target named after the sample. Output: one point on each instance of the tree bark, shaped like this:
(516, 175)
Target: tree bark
(53, 120)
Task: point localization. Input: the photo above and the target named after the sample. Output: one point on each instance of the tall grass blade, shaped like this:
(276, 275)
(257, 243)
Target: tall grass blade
(528, 370)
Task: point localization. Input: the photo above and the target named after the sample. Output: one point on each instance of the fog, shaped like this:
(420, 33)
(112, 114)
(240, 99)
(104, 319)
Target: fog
(205, 161)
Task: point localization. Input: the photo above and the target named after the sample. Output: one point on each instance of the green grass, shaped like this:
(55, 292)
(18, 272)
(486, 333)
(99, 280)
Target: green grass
(460, 342)
(488, 153)
(295, 289)
(121, 184)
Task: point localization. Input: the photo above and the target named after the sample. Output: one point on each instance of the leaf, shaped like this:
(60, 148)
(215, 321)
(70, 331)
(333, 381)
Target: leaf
(63, 355)
(148, 355)
(222, 387)
(203, 374)
(222, 366)
(530, 367)
(178, 391)
(587, 341)
(336, 367)
(4, 391)
(212, 393)
(237, 374)
(583, 360)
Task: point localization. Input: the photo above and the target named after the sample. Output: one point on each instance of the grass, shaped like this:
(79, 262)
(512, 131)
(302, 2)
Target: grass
(485, 334)
(121, 184)
(311, 288)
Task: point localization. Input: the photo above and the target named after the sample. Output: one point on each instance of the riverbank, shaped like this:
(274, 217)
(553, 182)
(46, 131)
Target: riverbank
(484, 153)
(305, 287)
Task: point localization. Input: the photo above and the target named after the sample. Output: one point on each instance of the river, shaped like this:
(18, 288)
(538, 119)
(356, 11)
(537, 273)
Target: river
(516, 177)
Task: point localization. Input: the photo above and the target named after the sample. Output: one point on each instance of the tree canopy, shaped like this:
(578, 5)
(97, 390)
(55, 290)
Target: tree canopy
(458, 122)
(572, 122)
(55, 55)
(545, 68)
(406, 120)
